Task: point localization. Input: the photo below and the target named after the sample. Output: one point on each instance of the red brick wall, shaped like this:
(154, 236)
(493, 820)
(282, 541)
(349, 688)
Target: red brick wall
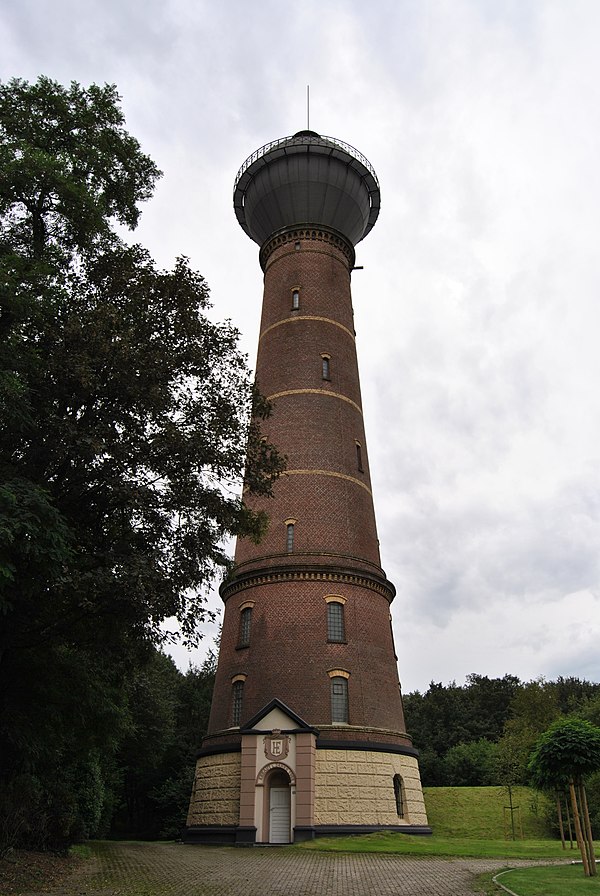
(317, 424)
(317, 430)
(289, 656)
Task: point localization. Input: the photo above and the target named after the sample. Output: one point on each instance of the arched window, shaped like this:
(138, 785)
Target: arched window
(339, 699)
(326, 367)
(289, 543)
(245, 625)
(399, 795)
(335, 622)
(295, 299)
(237, 700)
(359, 463)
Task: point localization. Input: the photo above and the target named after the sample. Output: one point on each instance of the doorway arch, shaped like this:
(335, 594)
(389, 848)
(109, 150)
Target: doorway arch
(278, 821)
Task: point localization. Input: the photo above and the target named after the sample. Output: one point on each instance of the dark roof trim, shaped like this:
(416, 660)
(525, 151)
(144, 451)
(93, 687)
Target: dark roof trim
(276, 704)
(368, 746)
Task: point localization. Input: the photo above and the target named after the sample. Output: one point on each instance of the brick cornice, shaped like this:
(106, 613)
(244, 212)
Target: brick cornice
(307, 232)
(274, 575)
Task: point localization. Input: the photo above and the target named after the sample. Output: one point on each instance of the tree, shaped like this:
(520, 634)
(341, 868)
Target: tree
(532, 709)
(472, 764)
(126, 418)
(567, 752)
(192, 709)
(451, 716)
(438, 719)
(168, 716)
(489, 701)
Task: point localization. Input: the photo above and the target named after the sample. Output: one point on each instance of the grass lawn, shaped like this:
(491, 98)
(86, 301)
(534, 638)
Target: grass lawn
(405, 844)
(558, 880)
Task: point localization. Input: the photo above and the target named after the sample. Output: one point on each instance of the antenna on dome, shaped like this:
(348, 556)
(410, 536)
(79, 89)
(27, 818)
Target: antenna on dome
(308, 107)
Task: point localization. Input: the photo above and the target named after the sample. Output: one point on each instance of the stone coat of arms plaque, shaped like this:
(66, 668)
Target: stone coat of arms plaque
(277, 745)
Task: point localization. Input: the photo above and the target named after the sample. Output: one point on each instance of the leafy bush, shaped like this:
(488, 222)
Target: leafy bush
(471, 765)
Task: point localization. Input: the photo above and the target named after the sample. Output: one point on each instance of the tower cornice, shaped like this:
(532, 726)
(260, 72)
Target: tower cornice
(298, 572)
(289, 235)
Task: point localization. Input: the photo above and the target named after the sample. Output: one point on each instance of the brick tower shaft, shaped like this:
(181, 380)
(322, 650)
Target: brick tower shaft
(321, 545)
(307, 367)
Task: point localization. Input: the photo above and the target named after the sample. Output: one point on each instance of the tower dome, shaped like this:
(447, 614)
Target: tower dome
(305, 181)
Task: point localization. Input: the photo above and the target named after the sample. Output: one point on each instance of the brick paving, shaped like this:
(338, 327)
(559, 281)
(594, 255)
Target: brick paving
(166, 869)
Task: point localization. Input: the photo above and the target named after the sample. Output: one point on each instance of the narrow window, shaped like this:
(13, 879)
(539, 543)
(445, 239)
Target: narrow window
(245, 623)
(297, 245)
(290, 538)
(359, 457)
(295, 299)
(237, 698)
(339, 699)
(326, 367)
(335, 622)
(399, 795)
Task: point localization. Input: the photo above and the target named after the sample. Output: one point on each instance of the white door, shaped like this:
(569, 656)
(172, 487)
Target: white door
(279, 812)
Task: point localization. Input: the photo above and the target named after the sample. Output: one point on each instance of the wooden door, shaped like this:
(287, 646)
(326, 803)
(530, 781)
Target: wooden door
(279, 815)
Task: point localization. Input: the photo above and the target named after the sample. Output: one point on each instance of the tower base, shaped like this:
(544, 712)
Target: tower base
(285, 782)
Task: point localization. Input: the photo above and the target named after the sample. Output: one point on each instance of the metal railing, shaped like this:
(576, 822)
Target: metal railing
(303, 139)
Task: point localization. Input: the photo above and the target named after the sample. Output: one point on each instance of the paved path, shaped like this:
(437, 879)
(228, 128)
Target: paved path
(164, 869)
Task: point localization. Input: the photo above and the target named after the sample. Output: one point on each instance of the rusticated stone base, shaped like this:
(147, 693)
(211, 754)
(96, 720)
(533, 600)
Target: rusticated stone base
(216, 792)
(356, 787)
(353, 793)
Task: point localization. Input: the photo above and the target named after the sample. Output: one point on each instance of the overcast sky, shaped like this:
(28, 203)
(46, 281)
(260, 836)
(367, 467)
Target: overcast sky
(478, 309)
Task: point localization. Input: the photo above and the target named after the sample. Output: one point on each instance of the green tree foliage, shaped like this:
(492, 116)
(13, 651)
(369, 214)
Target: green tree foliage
(448, 720)
(449, 717)
(534, 706)
(590, 710)
(563, 756)
(69, 167)
(126, 421)
(471, 764)
(168, 716)
(438, 719)
(489, 703)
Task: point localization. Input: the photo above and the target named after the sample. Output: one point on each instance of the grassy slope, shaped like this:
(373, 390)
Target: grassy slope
(478, 812)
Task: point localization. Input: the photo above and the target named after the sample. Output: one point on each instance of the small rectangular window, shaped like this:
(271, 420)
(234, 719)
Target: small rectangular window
(295, 299)
(237, 700)
(290, 538)
(326, 368)
(359, 458)
(245, 623)
(399, 795)
(335, 622)
(339, 700)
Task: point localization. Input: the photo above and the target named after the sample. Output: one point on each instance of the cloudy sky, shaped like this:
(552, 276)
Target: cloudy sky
(478, 309)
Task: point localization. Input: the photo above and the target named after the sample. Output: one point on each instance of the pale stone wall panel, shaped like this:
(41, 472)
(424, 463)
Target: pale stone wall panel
(356, 787)
(216, 792)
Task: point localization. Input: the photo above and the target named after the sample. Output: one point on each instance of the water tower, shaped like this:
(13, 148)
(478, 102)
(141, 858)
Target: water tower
(306, 734)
